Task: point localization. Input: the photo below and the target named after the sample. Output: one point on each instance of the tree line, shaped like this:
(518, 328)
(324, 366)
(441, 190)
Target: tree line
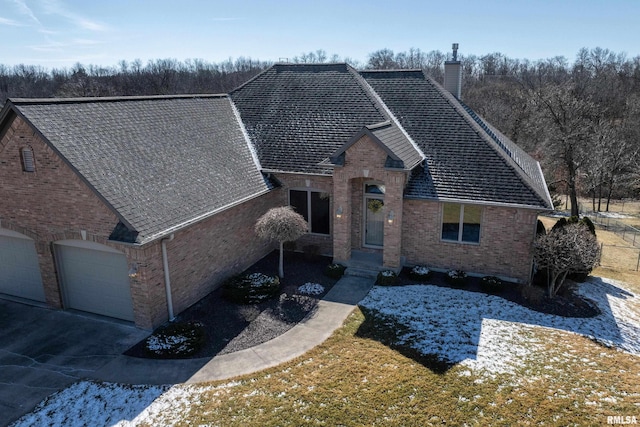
(581, 120)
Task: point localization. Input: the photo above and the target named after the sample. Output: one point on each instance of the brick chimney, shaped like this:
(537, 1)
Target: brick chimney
(453, 74)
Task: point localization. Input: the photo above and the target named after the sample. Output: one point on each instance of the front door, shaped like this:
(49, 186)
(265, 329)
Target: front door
(374, 221)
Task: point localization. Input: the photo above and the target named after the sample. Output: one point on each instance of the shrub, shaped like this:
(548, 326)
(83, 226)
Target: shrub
(176, 340)
(491, 284)
(419, 273)
(586, 221)
(251, 288)
(335, 271)
(540, 228)
(567, 250)
(387, 278)
(457, 278)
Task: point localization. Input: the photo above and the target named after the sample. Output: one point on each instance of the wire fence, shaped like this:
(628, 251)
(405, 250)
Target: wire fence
(620, 257)
(628, 233)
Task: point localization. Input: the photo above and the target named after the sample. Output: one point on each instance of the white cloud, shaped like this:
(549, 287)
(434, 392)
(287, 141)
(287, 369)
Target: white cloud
(56, 7)
(9, 22)
(26, 10)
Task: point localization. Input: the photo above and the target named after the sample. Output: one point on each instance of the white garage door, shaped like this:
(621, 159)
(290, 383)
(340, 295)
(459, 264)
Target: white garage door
(94, 278)
(19, 268)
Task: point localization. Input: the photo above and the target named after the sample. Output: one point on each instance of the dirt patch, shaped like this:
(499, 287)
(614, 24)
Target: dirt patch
(231, 327)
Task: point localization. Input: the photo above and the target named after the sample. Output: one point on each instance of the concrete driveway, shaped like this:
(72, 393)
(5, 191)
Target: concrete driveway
(43, 351)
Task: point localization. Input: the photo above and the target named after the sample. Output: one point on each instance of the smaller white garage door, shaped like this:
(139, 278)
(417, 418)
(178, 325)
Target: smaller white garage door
(19, 268)
(94, 278)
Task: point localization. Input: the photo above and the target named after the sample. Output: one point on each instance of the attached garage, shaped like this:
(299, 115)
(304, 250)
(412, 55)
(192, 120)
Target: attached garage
(19, 268)
(94, 278)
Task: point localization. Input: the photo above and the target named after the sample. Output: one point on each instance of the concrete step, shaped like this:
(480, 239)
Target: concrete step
(361, 272)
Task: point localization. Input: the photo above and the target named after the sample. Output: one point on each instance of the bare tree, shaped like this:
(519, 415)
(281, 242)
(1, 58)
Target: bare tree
(282, 224)
(565, 250)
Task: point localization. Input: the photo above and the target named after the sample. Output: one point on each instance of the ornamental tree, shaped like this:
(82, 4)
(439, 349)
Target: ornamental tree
(566, 250)
(282, 224)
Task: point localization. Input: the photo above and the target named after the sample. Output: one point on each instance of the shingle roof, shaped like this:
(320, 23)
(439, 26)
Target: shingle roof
(298, 115)
(402, 152)
(466, 159)
(159, 162)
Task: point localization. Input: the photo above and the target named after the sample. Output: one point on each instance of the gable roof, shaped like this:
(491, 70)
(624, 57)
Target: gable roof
(160, 163)
(466, 159)
(298, 115)
(402, 153)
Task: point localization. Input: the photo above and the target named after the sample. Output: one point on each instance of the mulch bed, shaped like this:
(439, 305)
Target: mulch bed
(566, 303)
(231, 327)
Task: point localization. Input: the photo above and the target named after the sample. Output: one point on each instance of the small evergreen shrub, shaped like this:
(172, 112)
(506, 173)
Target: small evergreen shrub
(419, 273)
(491, 284)
(335, 271)
(176, 340)
(586, 221)
(251, 288)
(540, 228)
(387, 278)
(456, 278)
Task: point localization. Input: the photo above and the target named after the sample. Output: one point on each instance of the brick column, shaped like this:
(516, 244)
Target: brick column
(393, 229)
(341, 226)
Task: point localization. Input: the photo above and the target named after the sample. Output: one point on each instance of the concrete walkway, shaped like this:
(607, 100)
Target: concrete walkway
(330, 314)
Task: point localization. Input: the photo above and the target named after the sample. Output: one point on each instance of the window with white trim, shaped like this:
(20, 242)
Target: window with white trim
(314, 207)
(461, 223)
(28, 161)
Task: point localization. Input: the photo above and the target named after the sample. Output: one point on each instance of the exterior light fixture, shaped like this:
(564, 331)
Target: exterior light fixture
(133, 270)
(391, 217)
(339, 212)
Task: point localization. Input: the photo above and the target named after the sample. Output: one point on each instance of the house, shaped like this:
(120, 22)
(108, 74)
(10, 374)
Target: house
(137, 207)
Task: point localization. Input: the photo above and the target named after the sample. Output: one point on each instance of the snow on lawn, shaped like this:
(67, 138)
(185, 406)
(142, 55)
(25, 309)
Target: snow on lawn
(487, 332)
(613, 215)
(88, 403)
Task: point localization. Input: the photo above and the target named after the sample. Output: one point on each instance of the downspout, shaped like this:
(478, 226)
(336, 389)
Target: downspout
(167, 280)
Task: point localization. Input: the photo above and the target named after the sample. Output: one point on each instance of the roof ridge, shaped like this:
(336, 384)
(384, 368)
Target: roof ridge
(487, 134)
(371, 92)
(89, 99)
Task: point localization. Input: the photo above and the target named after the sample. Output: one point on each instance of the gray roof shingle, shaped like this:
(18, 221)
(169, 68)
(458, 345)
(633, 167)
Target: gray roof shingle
(159, 162)
(466, 159)
(298, 115)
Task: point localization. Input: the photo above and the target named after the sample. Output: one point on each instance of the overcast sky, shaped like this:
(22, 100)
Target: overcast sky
(60, 33)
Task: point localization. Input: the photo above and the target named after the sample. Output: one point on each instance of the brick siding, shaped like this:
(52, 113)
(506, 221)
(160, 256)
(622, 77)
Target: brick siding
(505, 248)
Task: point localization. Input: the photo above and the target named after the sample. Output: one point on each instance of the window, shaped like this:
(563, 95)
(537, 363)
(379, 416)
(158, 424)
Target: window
(28, 161)
(454, 214)
(314, 207)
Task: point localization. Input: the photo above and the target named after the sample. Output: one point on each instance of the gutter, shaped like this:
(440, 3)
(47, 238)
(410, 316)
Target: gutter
(167, 279)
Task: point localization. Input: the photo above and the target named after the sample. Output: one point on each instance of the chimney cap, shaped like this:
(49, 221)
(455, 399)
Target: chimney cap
(454, 46)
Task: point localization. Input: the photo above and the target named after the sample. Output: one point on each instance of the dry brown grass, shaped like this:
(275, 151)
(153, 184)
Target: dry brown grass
(354, 381)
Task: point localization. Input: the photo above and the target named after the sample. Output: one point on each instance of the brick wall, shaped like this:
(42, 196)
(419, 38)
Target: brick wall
(506, 238)
(203, 255)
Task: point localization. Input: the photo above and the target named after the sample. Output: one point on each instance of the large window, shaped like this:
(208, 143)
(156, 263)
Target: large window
(461, 223)
(314, 207)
